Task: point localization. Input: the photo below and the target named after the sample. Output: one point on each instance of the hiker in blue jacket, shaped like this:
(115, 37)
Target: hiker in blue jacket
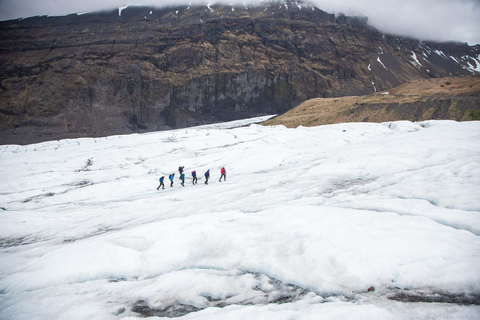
(161, 183)
(207, 176)
(182, 177)
(171, 179)
(194, 176)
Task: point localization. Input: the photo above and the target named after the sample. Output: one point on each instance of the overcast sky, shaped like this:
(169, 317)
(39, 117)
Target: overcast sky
(441, 20)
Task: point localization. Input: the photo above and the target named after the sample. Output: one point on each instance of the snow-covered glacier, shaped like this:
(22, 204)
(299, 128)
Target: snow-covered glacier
(345, 221)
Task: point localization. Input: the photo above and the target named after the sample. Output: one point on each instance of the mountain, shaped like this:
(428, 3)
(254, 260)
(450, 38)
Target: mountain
(138, 69)
(454, 98)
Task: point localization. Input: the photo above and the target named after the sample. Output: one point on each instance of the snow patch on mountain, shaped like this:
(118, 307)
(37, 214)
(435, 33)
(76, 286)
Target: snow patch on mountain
(120, 9)
(380, 61)
(416, 62)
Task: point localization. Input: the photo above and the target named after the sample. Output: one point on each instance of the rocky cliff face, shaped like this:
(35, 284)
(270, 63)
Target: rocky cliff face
(143, 69)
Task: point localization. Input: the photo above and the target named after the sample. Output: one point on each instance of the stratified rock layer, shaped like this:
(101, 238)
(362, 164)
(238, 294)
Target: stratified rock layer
(143, 69)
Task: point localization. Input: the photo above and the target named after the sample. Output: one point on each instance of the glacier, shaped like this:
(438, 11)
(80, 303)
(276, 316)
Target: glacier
(350, 221)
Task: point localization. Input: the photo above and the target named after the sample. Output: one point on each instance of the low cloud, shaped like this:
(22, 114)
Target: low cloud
(440, 20)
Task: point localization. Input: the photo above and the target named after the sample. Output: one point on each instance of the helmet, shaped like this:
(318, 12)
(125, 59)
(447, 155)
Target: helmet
(208, 170)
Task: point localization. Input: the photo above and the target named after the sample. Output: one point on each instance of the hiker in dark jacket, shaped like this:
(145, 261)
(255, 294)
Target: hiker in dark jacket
(207, 176)
(171, 179)
(161, 183)
(194, 176)
(180, 169)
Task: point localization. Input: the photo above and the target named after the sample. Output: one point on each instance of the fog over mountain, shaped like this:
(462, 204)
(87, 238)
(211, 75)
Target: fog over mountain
(441, 20)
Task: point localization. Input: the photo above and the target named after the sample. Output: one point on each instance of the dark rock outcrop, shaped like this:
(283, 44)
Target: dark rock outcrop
(143, 69)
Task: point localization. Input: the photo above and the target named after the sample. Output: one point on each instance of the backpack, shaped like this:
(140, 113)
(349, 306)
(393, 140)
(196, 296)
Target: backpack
(161, 179)
(171, 176)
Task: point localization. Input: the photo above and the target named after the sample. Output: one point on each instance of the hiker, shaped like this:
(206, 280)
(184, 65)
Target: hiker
(223, 173)
(207, 176)
(180, 169)
(182, 177)
(161, 183)
(194, 176)
(171, 179)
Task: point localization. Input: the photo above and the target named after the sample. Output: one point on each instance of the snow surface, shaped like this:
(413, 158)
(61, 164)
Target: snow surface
(308, 220)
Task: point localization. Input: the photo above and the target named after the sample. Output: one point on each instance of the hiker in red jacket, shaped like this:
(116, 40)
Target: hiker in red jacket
(223, 173)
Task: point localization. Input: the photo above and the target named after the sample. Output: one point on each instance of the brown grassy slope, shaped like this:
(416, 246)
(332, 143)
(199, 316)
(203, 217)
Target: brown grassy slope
(439, 86)
(455, 98)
